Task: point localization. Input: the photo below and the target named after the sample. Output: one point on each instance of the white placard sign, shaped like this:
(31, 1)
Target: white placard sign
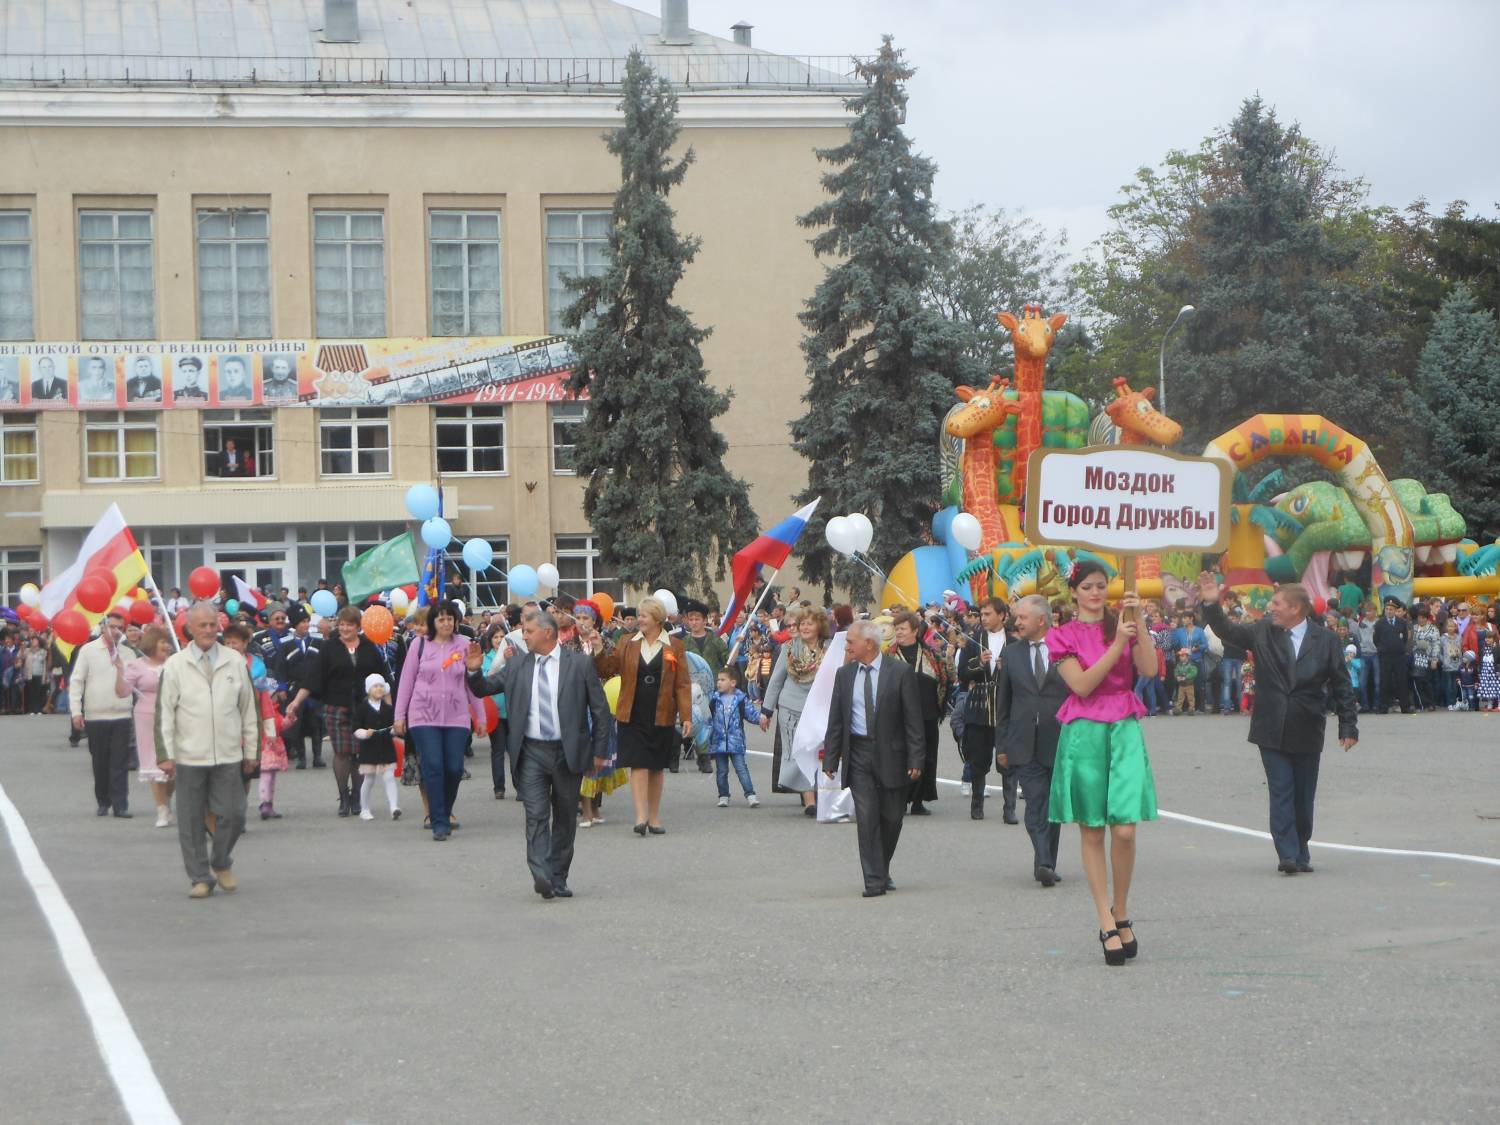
(1127, 500)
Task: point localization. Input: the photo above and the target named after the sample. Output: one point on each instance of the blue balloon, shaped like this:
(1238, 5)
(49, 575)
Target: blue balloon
(524, 582)
(436, 533)
(324, 603)
(422, 502)
(478, 554)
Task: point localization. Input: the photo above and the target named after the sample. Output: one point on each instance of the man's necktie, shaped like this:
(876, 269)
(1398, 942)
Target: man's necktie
(544, 700)
(869, 671)
(1038, 663)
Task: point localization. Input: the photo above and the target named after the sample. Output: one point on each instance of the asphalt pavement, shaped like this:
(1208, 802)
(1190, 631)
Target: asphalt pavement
(730, 970)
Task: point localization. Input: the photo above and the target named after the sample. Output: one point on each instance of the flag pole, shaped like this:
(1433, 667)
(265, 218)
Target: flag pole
(162, 604)
(766, 589)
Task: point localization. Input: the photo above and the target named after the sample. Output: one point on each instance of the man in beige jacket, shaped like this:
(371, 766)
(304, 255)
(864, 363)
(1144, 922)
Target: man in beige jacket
(209, 728)
(103, 714)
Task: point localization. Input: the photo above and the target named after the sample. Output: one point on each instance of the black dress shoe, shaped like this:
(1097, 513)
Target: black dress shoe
(124, 814)
(103, 811)
(301, 763)
(656, 830)
(640, 829)
(1010, 817)
(890, 884)
(920, 810)
(874, 892)
(1044, 875)
(1304, 867)
(499, 794)
(809, 810)
(561, 890)
(1287, 867)
(976, 813)
(544, 889)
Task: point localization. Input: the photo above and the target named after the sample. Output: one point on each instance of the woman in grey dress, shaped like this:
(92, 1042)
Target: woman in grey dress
(786, 694)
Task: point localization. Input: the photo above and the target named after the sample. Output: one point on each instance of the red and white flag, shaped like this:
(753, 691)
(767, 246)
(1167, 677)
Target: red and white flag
(109, 546)
(248, 595)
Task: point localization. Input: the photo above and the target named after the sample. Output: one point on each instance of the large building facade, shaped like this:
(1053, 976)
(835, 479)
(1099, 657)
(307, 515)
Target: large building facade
(223, 187)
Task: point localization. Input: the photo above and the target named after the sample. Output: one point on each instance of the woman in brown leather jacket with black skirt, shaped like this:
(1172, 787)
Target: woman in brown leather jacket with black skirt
(655, 691)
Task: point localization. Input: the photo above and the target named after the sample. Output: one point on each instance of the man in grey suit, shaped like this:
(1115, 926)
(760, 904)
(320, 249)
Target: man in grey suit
(875, 731)
(1297, 661)
(558, 731)
(1026, 728)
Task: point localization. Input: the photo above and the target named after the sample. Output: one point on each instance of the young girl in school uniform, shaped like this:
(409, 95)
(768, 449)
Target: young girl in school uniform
(373, 721)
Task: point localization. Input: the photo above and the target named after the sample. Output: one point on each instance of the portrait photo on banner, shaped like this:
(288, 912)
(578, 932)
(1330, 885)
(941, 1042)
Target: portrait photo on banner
(143, 379)
(236, 384)
(189, 380)
(96, 380)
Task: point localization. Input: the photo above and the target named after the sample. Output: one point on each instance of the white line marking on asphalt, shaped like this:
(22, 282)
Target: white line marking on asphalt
(145, 1101)
(1464, 857)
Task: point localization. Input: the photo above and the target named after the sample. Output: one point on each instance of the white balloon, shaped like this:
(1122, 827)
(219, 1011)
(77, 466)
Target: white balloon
(864, 530)
(549, 576)
(399, 600)
(966, 531)
(840, 535)
(30, 595)
(668, 599)
(412, 608)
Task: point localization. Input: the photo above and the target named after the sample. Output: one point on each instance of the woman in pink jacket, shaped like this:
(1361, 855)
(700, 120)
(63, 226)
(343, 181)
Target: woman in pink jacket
(434, 704)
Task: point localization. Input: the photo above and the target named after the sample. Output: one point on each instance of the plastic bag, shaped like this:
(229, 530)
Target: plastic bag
(834, 801)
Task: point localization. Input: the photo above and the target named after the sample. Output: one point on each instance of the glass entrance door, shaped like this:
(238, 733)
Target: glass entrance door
(265, 570)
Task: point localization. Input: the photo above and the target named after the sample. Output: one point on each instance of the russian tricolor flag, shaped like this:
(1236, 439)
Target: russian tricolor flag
(771, 549)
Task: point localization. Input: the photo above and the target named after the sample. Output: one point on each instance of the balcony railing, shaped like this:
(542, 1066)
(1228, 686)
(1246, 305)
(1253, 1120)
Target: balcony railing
(831, 73)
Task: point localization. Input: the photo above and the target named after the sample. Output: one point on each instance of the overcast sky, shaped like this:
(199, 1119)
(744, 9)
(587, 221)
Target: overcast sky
(1048, 107)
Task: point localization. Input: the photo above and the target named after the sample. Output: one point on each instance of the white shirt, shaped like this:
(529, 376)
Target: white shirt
(1298, 632)
(857, 724)
(996, 642)
(534, 719)
(1040, 646)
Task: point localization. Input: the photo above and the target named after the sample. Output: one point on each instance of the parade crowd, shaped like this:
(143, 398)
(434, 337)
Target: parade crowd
(578, 698)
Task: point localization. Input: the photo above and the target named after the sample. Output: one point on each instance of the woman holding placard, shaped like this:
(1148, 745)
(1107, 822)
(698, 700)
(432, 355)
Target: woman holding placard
(1102, 776)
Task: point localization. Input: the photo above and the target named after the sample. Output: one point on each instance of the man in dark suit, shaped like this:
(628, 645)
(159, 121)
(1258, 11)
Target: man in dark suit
(1392, 640)
(1297, 660)
(979, 674)
(143, 385)
(297, 656)
(553, 696)
(48, 385)
(1030, 691)
(875, 732)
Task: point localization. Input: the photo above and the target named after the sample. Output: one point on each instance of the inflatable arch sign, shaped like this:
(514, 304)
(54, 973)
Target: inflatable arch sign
(1392, 540)
(1128, 500)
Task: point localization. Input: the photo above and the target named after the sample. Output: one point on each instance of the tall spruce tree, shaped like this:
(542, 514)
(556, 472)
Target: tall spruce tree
(666, 510)
(1285, 322)
(882, 365)
(1455, 408)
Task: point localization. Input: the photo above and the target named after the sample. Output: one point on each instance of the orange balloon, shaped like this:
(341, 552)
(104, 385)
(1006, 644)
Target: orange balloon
(606, 606)
(377, 624)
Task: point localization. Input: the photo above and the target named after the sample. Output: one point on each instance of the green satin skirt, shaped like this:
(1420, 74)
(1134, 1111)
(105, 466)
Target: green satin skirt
(1102, 775)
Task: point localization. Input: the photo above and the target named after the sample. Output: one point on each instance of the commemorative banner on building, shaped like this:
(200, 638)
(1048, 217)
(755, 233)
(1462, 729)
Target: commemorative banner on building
(226, 374)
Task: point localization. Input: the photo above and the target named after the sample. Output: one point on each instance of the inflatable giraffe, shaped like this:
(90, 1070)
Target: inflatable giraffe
(1031, 337)
(984, 411)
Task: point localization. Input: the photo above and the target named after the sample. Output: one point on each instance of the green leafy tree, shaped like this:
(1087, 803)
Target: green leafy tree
(1455, 410)
(666, 510)
(882, 363)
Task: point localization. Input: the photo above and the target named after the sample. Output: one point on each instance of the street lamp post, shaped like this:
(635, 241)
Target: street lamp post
(1161, 387)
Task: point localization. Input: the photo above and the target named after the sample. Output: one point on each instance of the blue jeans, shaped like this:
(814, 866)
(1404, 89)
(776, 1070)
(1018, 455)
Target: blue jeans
(1229, 684)
(1148, 690)
(721, 773)
(1369, 682)
(442, 754)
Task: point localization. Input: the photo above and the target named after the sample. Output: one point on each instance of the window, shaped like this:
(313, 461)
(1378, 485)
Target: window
(120, 445)
(582, 572)
(465, 251)
(487, 588)
(238, 443)
(15, 275)
(470, 439)
(18, 449)
(577, 246)
(355, 441)
(323, 551)
(566, 417)
(173, 553)
(117, 299)
(234, 275)
(349, 273)
(18, 566)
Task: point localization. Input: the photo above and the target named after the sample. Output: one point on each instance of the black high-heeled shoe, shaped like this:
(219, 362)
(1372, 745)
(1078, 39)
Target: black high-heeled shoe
(1131, 947)
(1111, 956)
(640, 829)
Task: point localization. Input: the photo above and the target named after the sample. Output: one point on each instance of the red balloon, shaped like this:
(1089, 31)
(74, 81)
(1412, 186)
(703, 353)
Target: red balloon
(491, 713)
(94, 593)
(142, 613)
(38, 621)
(71, 627)
(24, 611)
(204, 582)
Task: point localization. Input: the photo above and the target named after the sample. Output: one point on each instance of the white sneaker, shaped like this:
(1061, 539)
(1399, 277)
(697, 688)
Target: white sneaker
(754, 801)
(585, 823)
(723, 802)
(366, 814)
(966, 789)
(163, 818)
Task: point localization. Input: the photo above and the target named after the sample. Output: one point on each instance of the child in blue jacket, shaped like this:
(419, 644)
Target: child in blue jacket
(729, 710)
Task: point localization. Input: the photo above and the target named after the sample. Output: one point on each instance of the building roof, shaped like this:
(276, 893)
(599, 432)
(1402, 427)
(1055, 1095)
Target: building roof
(401, 42)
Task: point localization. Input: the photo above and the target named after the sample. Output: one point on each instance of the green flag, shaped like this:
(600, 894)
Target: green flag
(392, 563)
